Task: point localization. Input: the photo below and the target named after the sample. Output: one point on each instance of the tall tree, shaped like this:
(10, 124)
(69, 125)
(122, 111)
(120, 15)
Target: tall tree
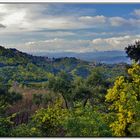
(133, 51)
(98, 84)
(81, 91)
(61, 84)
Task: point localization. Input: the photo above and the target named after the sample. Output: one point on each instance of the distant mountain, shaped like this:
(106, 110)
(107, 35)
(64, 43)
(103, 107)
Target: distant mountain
(108, 57)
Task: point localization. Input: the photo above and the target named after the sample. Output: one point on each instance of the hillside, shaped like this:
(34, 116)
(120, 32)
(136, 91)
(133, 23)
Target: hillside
(28, 69)
(25, 68)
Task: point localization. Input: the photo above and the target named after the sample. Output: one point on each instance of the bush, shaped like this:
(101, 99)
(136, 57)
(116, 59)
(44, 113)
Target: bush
(24, 130)
(5, 126)
(86, 122)
(49, 121)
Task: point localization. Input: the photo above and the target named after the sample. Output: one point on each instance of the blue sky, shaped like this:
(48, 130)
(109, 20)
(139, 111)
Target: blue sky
(78, 28)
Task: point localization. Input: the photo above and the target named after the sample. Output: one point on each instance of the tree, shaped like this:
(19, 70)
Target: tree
(133, 51)
(92, 89)
(61, 84)
(124, 98)
(81, 91)
(98, 85)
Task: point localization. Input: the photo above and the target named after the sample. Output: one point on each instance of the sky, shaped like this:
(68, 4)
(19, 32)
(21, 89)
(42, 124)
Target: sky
(64, 28)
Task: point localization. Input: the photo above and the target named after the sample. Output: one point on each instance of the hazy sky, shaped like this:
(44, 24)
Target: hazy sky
(69, 27)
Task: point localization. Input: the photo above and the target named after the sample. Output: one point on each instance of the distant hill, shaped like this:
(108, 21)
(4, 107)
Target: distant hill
(108, 57)
(25, 68)
(13, 56)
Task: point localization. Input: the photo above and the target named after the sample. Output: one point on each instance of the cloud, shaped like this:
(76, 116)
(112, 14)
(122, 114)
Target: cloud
(93, 19)
(2, 26)
(136, 12)
(57, 45)
(114, 43)
(21, 16)
(36, 17)
(78, 46)
(64, 28)
(117, 21)
(59, 33)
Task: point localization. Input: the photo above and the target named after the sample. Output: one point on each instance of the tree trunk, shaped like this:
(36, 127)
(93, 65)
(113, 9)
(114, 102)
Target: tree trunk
(85, 102)
(65, 100)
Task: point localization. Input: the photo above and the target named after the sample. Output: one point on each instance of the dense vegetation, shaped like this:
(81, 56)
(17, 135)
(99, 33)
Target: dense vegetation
(68, 97)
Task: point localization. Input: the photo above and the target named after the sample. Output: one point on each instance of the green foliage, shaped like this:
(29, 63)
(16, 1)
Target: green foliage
(134, 128)
(33, 71)
(49, 121)
(61, 84)
(133, 51)
(81, 91)
(86, 122)
(5, 126)
(49, 97)
(37, 99)
(98, 85)
(81, 71)
(7, 98)
(81, 109)
(25, 130)
(13, 57)
(124, 97)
